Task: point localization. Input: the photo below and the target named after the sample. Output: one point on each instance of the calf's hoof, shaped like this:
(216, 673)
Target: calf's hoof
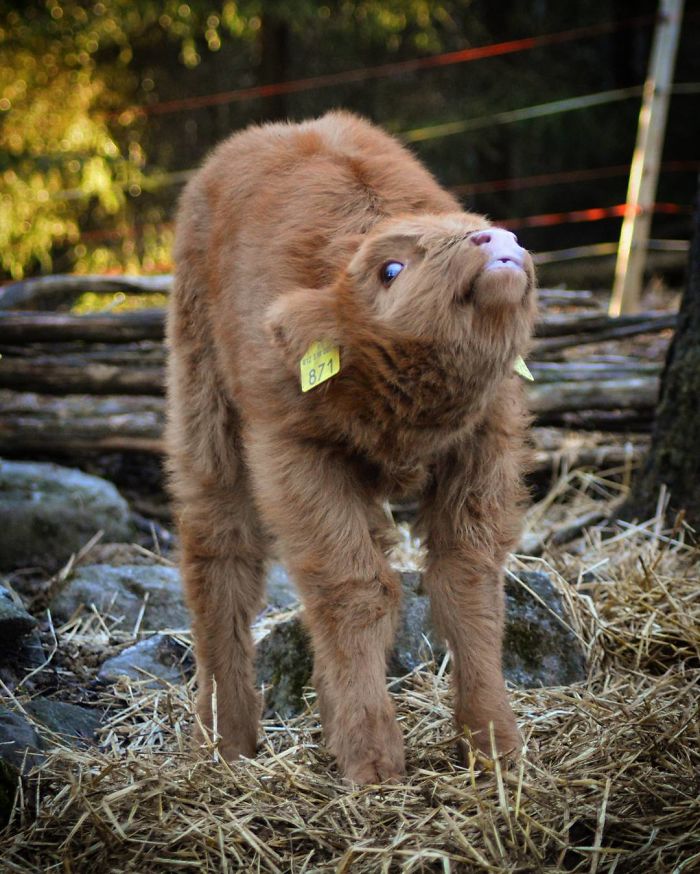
(380, 768)
(501, 733)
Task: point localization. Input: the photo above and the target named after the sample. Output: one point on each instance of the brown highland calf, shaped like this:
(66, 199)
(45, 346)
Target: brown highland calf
(330, 232)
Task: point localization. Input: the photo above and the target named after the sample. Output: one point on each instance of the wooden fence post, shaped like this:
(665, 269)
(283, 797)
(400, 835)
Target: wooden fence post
(644, 172)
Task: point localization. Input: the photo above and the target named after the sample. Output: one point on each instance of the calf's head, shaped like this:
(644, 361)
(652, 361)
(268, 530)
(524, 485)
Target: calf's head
(448, 282)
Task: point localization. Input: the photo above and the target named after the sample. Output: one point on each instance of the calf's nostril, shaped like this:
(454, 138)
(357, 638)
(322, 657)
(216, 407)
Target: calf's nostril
(481, 239)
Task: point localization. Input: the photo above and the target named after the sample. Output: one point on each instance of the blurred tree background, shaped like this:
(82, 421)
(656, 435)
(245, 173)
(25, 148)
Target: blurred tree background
(98, 132)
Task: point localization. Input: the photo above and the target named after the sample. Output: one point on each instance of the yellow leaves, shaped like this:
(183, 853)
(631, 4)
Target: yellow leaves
(61, 155)
(189, 55)
(97, 181)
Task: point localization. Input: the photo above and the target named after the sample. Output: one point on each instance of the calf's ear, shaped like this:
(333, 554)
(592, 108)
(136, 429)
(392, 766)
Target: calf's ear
(298, 318)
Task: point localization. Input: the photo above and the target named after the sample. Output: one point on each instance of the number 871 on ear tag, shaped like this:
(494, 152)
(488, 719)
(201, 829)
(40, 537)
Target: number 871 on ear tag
(320, 362)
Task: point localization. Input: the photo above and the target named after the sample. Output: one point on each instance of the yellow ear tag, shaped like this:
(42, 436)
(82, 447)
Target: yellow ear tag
(522, 369)
(321, 361)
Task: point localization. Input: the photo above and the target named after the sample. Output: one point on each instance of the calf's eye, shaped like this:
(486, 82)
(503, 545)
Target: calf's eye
(389, 271)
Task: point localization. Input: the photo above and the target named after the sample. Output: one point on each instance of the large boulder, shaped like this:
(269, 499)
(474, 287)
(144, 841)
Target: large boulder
(539, 650)
(48, 512)
(122, 593)
(121, 587)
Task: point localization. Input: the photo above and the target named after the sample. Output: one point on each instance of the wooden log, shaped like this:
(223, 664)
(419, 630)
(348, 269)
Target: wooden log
(593, 322)
(557, 449)
(550, 345)
(558, 388)
(72, 377)
(143, 352)
(566, 297)
(592, 371)
(37, 422)
(613, 421)
(49, 291)
(20, 327)
(31, 422)
(636, 393)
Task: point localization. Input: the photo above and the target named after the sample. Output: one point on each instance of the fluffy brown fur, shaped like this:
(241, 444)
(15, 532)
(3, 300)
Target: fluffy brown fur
(280, 241)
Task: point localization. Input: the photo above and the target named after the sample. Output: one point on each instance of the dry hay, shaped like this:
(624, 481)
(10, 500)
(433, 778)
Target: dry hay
(608, 782)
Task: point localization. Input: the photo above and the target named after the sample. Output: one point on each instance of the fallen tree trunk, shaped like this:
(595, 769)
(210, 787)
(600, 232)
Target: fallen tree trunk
(605, 330)
(21, 327)
(141, 352)
(555, 330)
(636, 393)
(565, 387)
(557, 450)
(35, 423)
(591, 370)
(572, 324)
(569, 297)
(132, 370)
(75, 374)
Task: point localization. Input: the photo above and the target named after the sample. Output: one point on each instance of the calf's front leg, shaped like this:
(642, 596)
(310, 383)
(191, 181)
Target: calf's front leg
(327, 532)
(470, 521)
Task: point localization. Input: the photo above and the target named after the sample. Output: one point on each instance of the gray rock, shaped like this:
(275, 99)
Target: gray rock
(538, 649)
(160, 656)
(280, 588)
(121, 591)
(23, 744)
(416, 642)
(20, 749)
(20, 660)
(118, 554)
(20, 642)
(73, 723)
(15, 621)
(120, 587)
(9, 777)
(284, 666)
(20, 743)
(48, 512)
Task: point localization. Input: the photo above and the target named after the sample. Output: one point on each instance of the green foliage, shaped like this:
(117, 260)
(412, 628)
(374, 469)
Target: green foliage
(67, 161)
(71, 149)
(89, 181)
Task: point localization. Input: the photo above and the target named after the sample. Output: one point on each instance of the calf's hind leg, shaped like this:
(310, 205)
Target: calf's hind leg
(223, 562)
